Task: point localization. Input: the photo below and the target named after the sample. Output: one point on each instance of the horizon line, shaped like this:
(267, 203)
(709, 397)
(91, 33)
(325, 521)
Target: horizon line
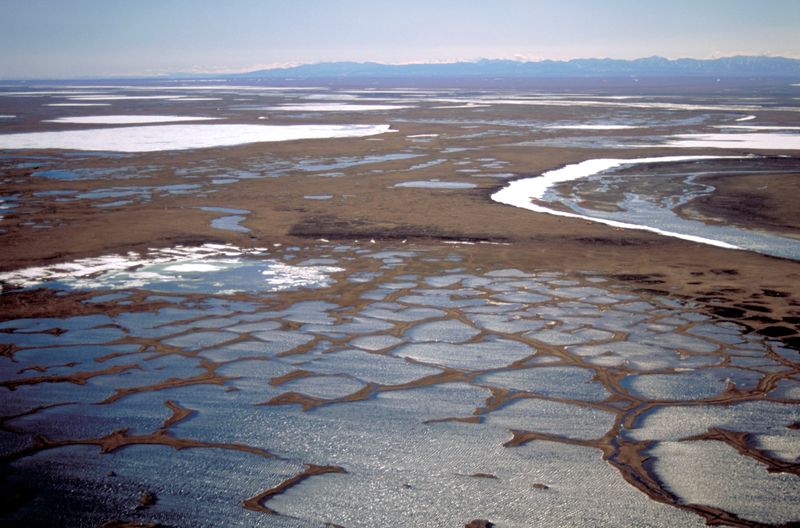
(433, 62)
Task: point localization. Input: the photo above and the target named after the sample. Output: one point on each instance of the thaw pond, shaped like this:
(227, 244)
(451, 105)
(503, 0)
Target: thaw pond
(208, 269)
(432, 397)
(435, 184)
(231, 222)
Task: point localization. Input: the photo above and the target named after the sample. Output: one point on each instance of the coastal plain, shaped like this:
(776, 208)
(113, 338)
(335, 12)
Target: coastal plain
(301, 306)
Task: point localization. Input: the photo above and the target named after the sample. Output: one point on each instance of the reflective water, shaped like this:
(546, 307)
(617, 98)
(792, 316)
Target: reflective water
(501, 393)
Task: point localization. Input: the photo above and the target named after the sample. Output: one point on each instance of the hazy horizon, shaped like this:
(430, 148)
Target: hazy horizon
(91, 38)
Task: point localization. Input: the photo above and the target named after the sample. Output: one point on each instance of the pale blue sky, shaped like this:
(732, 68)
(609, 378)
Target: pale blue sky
(62, 38)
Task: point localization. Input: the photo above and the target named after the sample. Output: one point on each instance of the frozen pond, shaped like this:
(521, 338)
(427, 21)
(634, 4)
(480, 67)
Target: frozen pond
(207, 269)
(126, 119)
(741, 140)
(231, 222)
(179, 137)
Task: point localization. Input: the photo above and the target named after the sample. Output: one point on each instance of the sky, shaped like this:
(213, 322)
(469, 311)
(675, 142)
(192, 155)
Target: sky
(72, 38)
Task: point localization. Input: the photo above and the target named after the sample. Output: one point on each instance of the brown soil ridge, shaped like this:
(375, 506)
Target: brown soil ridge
(120, 439)
(742, 443)
(258, 502)
(79, 378)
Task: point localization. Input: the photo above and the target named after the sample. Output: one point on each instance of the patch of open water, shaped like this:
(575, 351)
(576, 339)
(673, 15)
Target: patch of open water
(465, 393)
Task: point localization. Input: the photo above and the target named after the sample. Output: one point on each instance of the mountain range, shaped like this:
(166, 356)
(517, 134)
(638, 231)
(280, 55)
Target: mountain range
(739, 66)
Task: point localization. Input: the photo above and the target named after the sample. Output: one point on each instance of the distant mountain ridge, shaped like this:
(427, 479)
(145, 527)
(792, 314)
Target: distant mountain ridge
(739, 66)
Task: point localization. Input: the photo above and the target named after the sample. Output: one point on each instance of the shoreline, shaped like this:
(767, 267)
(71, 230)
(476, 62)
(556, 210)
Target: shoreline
(521, 193)
(750, 201)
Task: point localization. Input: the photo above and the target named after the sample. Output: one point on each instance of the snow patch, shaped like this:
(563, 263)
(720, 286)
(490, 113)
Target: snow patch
(126, 119)
(180, 137)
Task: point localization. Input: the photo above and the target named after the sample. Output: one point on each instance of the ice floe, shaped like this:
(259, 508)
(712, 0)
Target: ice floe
(180, 137)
